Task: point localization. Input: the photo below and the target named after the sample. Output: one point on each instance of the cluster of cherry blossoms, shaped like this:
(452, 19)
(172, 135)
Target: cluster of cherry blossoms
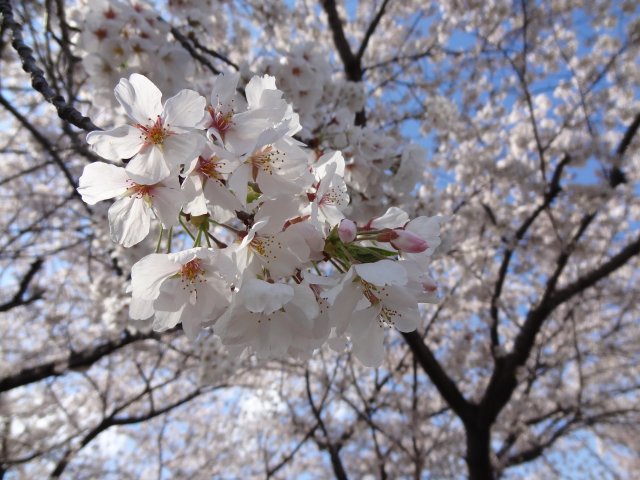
(274, 265)
(378, 166)
(120, 37)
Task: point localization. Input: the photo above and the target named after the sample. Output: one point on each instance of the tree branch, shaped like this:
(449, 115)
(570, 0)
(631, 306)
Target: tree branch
(18, 298)
(372, 28)
(552, 192)
(38, 80)
(75, 361)
(111, 421)
(352, 66)
(48, 147)
(439, 377)
(504, 382)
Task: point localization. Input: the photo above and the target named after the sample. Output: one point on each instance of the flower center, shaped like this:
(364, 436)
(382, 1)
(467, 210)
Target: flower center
(333, 196)
(267, 159)
(191, 272)
(220, 120)
(138, 190)
(369, 291)
(209, 168)
(258, 246)
(155, 133)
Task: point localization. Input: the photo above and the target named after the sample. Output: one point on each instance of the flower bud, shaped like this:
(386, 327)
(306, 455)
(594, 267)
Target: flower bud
(403, 240)
(409, 242)
(347, 231)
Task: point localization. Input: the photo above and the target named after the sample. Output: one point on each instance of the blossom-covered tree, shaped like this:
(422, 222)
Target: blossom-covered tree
(375, 239)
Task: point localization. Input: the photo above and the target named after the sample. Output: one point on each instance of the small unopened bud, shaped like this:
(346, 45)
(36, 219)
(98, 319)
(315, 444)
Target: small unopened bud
(429, 286)
(403, 240)
(347, 231)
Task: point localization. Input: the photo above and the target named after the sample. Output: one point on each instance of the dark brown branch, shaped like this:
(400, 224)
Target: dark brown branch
(287, 458)
(332, 448)
(349, 60)
(212, 52)
(589, 280)
(75, 361)
(439, 377)
(111, 421)
(352, 66)
(615, 175)
(503, 382)
(18, 299)
(38, 80)
(184, 41)
(628, 136)
(48, 147)
(552, 192)
(372, 28)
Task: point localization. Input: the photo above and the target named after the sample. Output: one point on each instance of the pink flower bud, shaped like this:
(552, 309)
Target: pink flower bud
(347, 231)
(409, 242)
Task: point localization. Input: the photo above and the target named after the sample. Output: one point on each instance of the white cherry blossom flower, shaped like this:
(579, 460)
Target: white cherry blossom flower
(191, 287)
(205, 185)
(330, 197)
(275, 166)
(281, 253)
(370, 298)
(238, 130)
(130, 215)
(162, 137)
(271, 318)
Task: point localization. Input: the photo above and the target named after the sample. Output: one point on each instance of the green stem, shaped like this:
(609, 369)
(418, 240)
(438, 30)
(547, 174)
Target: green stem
(337, 265)
(186, 229)
(234, 230)
(159, 239)
(169, 238)
(315, 266)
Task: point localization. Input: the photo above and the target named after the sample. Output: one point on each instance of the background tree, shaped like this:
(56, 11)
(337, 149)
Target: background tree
(518, 120)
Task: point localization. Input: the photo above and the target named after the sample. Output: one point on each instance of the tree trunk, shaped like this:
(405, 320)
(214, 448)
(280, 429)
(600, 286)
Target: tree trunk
(478, 452)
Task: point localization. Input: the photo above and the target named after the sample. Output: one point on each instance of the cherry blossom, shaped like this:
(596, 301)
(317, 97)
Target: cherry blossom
(162, 137)
(130, 216)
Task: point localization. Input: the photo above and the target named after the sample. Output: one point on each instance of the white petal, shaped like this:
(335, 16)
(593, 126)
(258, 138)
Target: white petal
(182, 148)
(195, 202)
(263, 297)
(191, 326)
(221, 197)
(140, 309)
(276, 185)
(148, 274)
(149, 166)
(305, 299)
(129, 221)
(256, 86)
(139, 97)
(384, 272)
(342, 309)
(367, 336)
(166, 320)
(238, 182)
(394, 217)
(329, 164)
(121, 142)
(100, 181)
(224, 88)
(185, 109)
(167, 203)
(408, 321)
(185, 256)
(278, 210)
